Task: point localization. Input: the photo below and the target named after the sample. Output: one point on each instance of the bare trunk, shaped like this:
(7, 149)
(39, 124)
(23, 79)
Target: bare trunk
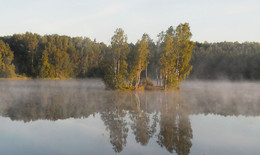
(114, 66)
(160, 78)
(165, 80)
(115, 70)
(138, 76)
(146, 72)
(118, 66)
(157, 78)
(177, 68)
(137, 80)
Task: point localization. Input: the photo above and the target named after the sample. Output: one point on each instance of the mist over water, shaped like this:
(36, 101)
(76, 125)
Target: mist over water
(80, 116)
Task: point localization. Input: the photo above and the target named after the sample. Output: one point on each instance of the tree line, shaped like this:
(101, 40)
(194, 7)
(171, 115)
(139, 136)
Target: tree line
(52, 56)
(121, 64)
(226, 60)
(168, 60)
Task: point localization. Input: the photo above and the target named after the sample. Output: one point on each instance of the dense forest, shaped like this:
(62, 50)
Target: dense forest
(226, 60)
(121, 64)
(124, 64)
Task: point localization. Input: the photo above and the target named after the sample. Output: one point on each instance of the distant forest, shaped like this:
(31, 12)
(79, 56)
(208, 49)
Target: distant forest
(55, 56)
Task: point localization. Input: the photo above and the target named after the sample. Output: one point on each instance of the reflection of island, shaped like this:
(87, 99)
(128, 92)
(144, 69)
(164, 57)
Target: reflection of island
(143, 113)
(163, 116)
(169, 113)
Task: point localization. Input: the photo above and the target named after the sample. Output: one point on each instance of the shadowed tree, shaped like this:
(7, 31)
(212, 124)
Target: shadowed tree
(46, 71)
(32, 44)
(7, 69)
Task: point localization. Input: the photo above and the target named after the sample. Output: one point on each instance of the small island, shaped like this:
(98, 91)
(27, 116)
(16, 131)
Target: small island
(124, 65)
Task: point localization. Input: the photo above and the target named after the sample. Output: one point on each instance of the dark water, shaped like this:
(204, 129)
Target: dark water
(80, 117)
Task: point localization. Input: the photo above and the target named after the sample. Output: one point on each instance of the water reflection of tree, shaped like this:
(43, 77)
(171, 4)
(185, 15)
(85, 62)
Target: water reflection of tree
(175, 129)
(149, 115)
(160, 115)
(113, 116)
(140, 125)
(51, 105)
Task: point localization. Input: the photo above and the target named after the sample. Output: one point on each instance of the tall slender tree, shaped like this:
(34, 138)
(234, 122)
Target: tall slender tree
(116, 66)
(183, 51)
(32, 41)
(156, 59)
(167, 62)
(140, 60)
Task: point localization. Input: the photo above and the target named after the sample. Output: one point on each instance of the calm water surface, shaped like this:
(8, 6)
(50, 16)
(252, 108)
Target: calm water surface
(80, 117)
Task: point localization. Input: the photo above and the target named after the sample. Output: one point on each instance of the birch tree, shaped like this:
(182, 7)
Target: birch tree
(140, 61)
(116, 65)
(176, 55)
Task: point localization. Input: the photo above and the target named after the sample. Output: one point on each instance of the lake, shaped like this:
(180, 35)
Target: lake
(81, 117)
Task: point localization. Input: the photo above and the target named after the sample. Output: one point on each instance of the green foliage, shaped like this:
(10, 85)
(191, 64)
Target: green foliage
(121, 65)
(55, 63)
(170, 59)
(116, 66)
(31, 42)
(46, 71)
(176, 55)
(184, 51)
(7, 69)
(167, 61)
(26, 52)
(139, 60)
(226, 60)
(55, 56)
(78, 57)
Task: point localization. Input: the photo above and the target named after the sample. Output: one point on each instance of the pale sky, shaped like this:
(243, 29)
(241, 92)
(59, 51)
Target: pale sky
(210, 20)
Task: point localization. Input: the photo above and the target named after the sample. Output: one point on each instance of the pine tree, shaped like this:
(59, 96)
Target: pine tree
(7, 69)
